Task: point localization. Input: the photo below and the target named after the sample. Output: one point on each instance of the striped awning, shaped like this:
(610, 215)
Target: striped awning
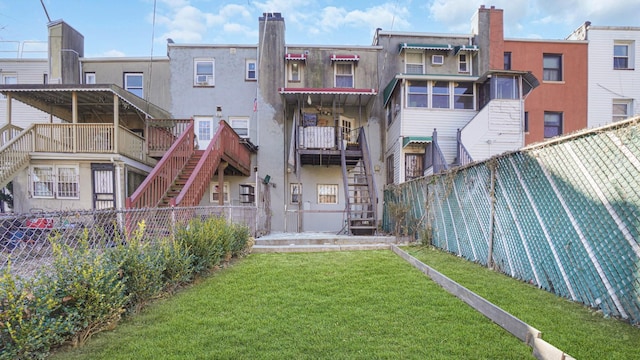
(466, 48)
(336, 57)
(296, 57)
(416, 140)
(439, 47)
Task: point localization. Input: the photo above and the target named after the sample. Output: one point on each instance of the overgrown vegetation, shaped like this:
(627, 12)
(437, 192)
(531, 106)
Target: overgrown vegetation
(90, 286)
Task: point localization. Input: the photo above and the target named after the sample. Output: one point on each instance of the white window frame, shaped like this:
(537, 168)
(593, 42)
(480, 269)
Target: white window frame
(337, 74)
(629, 56)
(251, 70)
(437, 59)
(327, 194)
(213, 193)
(236, 121)
(203, 78)
(411, 66)
(295, 76)
(616, 114)
(295, 193)
(424, 95)
(52, 181)
(89, 78)
(72, 180)
(8, 78)
(472, 96)
(134, 89)
(438, 95)
(464, 66)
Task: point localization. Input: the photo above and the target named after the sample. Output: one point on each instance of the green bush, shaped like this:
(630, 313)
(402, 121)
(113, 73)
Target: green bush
(91, 288)
(240, 239)
(30, 321)
(205, 242)
(178, 264)
(142, 266)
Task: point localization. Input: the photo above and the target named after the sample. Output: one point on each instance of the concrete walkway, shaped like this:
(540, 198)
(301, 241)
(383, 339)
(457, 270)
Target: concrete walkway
(315, 241)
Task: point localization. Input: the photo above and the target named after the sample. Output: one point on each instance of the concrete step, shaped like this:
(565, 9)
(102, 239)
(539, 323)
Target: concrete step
(312, 242)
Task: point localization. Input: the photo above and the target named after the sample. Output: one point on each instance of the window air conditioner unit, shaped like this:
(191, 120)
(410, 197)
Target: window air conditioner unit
(437, 59)
(203, 79)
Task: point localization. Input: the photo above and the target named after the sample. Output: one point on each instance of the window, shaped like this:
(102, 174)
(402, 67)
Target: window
(294, 71)
(440, 98)
(327, 193)
(526, 121)
(240, 125)
(133, 83)
(344, 75)
(90, 78)
(390, 169)
(247, 193)
(215, 191)
(49, 181)
(8, 79)
(296, 193)
(205, 131)
(504, 87)
(68, 182)
(417, 93)
(437, 59)
(414, 64)
(552, 67)
(552, 124)
(413, 165)
(463, 63)
(42, 182)
(203, 72)
(251, 70)
(622, 52)
(463, 95)
(507, 61)
(621, 109)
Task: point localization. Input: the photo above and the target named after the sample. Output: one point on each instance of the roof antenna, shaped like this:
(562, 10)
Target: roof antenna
(45, 10)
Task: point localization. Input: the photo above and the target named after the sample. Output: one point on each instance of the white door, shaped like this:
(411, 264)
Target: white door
(204, 129)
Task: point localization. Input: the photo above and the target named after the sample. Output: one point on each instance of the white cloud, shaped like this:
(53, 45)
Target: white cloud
(113, 53)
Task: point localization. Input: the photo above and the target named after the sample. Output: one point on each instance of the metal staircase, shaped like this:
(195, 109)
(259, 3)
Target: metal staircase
(359, 185)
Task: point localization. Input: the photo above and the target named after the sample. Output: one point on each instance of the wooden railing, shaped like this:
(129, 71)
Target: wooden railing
(225, 145)
(8, 132)
(162, 133)
(14, 155)
(131, 145)
(462, 155)
(157, 183)
(439, 162)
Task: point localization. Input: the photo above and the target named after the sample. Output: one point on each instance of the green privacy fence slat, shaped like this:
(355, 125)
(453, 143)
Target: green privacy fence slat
(566, 216)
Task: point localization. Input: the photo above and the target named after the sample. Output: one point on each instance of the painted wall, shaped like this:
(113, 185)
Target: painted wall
(568, 96)
(606, 83)
(155, 75)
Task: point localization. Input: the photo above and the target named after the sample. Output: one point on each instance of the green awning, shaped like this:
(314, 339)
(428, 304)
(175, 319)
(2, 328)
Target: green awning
(441, 47)
(413, 140)
(466, 48)
(388, 90)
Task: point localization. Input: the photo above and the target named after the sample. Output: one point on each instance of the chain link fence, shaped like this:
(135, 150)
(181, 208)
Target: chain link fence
(26, 239)
(562, 215)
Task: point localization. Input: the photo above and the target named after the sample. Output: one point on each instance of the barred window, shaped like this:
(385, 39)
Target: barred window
(327, 193)
(42, 182)
(68, 182)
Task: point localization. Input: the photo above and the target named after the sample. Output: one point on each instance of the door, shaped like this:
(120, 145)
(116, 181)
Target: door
(204, 130)
(103, 181)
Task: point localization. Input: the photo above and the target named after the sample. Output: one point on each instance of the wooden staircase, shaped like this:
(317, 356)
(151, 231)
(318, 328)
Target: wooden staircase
(179, 183)
(359, 185)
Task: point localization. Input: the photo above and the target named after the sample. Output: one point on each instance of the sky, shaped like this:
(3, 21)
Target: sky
(140, 28)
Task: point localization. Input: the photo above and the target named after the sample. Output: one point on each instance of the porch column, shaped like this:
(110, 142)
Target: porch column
(9, 108)
(74, 119)
(116, 122)
(223, 165)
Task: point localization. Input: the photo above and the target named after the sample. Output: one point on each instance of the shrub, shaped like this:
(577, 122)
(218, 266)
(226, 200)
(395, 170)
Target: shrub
(205, 241)
(91, 288)
(240, 244)
(178, 264)
(30, 321)
(141, 266)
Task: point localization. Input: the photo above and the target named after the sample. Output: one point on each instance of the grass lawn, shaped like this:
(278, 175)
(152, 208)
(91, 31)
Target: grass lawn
(577, 330)
(337, 305)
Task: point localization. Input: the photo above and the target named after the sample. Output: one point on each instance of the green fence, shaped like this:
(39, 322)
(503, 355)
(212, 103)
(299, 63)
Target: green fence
(563, 215)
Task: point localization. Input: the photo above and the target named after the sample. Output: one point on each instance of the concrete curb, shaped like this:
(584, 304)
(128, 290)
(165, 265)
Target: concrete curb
(529, 335)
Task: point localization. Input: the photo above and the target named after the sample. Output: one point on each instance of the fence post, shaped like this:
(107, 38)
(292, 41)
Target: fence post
(173, 224)
(492, 197)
